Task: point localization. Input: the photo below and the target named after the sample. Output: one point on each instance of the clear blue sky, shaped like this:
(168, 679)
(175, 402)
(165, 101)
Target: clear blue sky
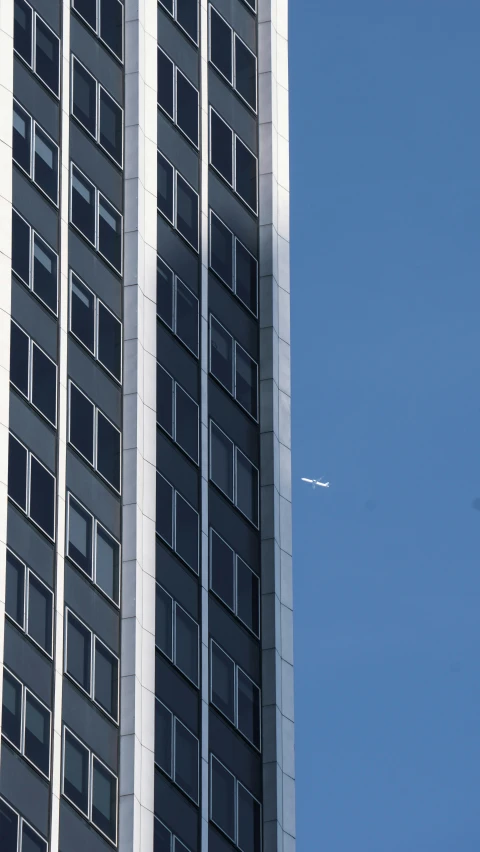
(385, 228)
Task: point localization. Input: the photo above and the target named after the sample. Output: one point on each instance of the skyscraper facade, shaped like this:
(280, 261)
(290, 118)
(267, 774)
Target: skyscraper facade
(146, 615)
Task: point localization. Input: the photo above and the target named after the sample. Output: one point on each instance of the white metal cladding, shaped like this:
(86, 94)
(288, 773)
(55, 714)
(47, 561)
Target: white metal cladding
(6, 116)
(275, 432)
(137, 690)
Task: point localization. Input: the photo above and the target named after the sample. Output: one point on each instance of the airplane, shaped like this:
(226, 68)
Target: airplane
(315, 482)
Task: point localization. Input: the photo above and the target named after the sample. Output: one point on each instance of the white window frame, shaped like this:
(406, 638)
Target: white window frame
(173, 734)
(98, 89)
(236, 557)
(173, 546)
(174, 605)
(174, 840)
(20, 823)
(174, 18)
(94, 639)
(233, 42)
(95, 524)
(235, 450)
(235, 240)
(31, 172)
(237, 785)
(33, 49)
(173, 327)
(97, 195)
(27, 571)
(29, 283)
(28, 485)
(212, 8)
(217, 115)
(173, 434)
(23, 722)
(173, 118)
(236, 670)
(176, 174)
(31, 344)
(235, 344)
(96, 411)
(235, 139)
(96, 332)
(119, 59)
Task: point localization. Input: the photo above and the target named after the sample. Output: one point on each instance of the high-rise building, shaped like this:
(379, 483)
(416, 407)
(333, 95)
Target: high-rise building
(146, 652)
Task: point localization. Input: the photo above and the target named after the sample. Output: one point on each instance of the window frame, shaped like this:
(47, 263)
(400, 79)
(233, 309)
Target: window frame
(27, 571)
(175, 71)
(20, 823)
(236, 450)
(236, 670)
(236, 557)
(173, 436)
(233, 42)
(96, 30)
(173, 659)
(96, 412)
(98, 89)
(235, 240)
(173, 16)
(26, 511)
(235, 343)
(94, 639)
(29, 284)
(173, 721)
(173, 546)
(35, 15)
(23, 721)
(173, 327)
(173, 837)
(174, 224)
(217, 171)
(96, 332)
(95, 524)
(237, 785)
(31, 172)
(97, 195)
(31, 344)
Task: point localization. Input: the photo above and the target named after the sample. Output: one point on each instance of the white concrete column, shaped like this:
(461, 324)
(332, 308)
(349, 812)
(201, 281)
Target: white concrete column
(6, 117)
(137, 690)
(275, 431)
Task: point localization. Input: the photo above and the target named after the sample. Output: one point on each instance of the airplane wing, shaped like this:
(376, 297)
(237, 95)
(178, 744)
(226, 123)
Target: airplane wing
(304, 479)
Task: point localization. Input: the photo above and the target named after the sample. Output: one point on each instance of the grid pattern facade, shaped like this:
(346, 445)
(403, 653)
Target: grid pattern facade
(146, 612)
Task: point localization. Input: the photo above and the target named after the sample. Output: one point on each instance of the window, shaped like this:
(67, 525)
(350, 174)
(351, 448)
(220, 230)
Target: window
(29, 603)
(31, 486)
(177, 201)
(33, 373)
(234, 583)
(97, 111)
(34, 262)
(235, 695)
(177, 522)
(251, 4)
(164, 841)
(105, 18)
(94, 437)
(185, 12)
(233, 264)
(17, 835)
(177, 413)
(96, 219)
(35, 152)
(89, 785)
(177, 306)
(176, 634)
(176, 750)
(245, 174)
(92, 666)
(233, 59)
(26, 723)
(233, 160)
(221, 147)
(178, 97)
(37, 44)
(233, 809)
(233, 367)
(94, 325)
(93, 550)
(233, 473)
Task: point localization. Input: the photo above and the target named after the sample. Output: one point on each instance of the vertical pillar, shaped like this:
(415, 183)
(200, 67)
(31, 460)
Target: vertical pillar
(275, 431)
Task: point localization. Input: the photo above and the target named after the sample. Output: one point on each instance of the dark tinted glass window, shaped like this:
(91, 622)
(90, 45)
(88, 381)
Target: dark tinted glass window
(187, 212)
(111, 126)
(45, 164)
(186, 533)
(108, 451)
(164, 510)
(22, 30)
(168, 5)
(246, 174)
(84, 97)
(9, 821)
(12, 709)
(75, 776)
(165, 187)
(44, 273)
(106, 680)
(222, 570)
(221, 146)
(163, 622)
(37, 733)
(245, 73)
(179, 846)
(109, 341)
(107, 565)
(248, 708)
(223, 682)
(187, 17)
(82, 313)
(164, 293)
(104, 800)
(47, 55)
(110, 233)
(163, 737)
(187, 108)
(186, 644)
(186, 760)
(221, 354)
(221, 44)
(40, 600)
(165, 83)
(15, 589)
(248, 596)
(162, 839)
(165, 400)
(42, 497)
(221, 251)
(19, 358)
(17, 472)
(31, 841)
(246, 277)
(247, 488)
(88, 10)
(83, 205)
(246, 389)
(81, 423)
(111, 25)
(187, 316)
(249, 827)
(21, 137)
(186, 423)
(223, 798)
(221, 460)
(20, 248)
(44, 384)
(80, 536)
(79, 651)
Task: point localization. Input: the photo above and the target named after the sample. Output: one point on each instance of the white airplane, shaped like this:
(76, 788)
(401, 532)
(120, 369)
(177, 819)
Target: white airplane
(315, 482)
